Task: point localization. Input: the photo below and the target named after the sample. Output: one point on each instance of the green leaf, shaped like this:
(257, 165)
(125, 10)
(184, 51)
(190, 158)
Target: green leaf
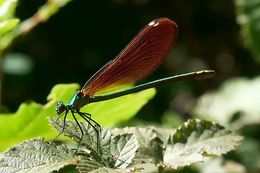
(146, 134)
(110, 112)
(111, 151)
(248, 16)
(151, 146)
(192, 142)
(30, 120)
(171, 119)
(249, 154)
(62, 92)
(123, 149)
(234, 105)
(7, 22)
(117, 151)
(7, 9)
(7, 25)
(107, 170)
(90, 134)
(87, 164)
(196, 141)
(221, 165)
(114, 111)
(35, 156)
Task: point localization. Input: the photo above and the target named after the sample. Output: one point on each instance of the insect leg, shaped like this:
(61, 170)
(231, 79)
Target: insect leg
(87, 117)
(64, 124)
(80, 128)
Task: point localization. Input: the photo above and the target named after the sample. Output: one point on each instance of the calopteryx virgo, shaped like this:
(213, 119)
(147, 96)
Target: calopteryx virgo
(140, 57)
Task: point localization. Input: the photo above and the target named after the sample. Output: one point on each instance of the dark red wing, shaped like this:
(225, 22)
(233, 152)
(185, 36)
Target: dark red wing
(144, 53)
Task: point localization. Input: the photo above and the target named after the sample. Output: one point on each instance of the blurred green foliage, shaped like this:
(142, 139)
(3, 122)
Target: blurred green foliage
(248, 16)
(8, 22)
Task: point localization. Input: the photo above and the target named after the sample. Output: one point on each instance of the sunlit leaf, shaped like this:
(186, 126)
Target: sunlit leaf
(7, 9)
(110, 112)
(7, 25)
(123, 148)
(234, 104)
(111, 151)
(220, 165)
(30, 120)
(35, 156)
(88, 138)
(196, 141)
(150, 145)
(86, 164)
(107, 170)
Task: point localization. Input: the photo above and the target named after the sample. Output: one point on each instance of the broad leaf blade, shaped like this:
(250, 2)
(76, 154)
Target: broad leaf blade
(19, 126)
(7, 25)
(7, 9)
(150, 144)
(196, 141)
(107, 170)
(89, 136)
(85, 164)
(35, 156)
(123, 149)
(116, 151)
(146, 134)
(114, 111)
(118, 109)
(221, 165)
(30, 120)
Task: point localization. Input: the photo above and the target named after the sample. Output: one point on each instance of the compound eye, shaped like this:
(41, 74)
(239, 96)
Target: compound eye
(60, 108)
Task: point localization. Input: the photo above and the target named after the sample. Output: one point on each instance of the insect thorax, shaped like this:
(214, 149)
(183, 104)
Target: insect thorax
(78, 101)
